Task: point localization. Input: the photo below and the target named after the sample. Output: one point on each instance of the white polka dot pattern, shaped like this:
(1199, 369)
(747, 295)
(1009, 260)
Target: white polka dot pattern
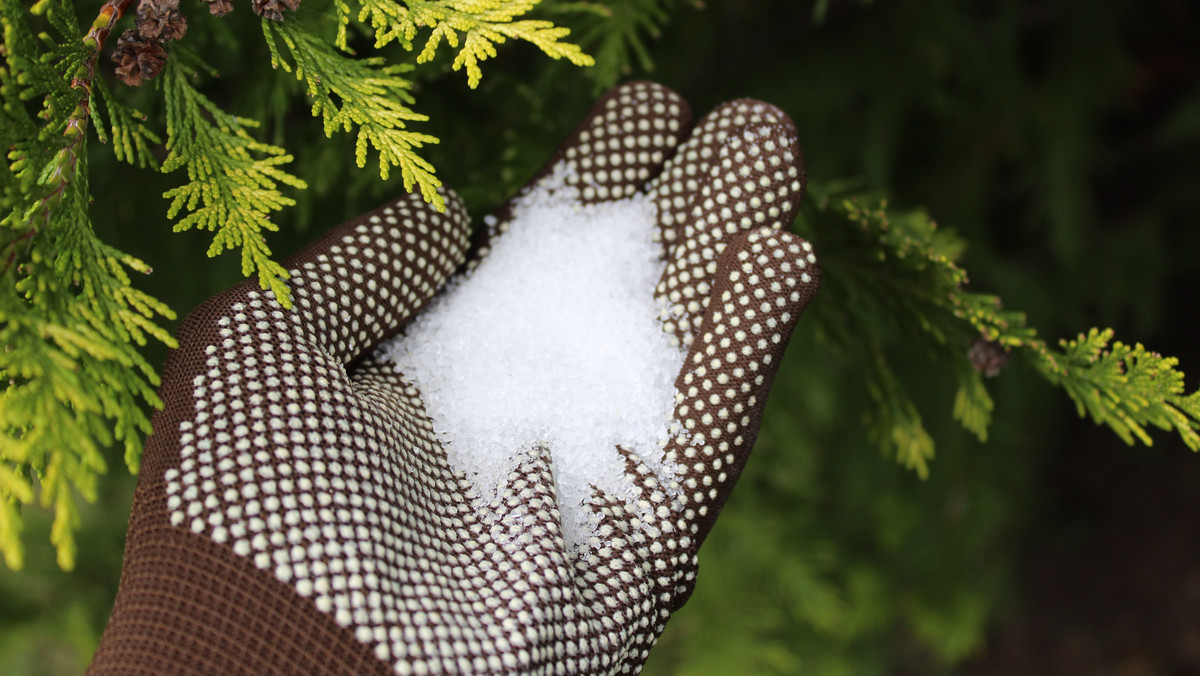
(617, 149)
(675, 188)
(741, 168)
(304, 472)
(625, 138)
(763, 282)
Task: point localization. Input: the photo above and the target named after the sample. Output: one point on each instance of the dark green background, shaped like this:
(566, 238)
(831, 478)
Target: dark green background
(1061, 139)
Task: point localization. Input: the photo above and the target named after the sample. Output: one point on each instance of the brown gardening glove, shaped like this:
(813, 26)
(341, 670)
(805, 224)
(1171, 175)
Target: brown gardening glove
(296, 514)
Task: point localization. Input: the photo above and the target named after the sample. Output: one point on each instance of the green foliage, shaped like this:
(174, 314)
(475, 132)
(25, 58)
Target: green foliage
(892, 278)
(132, 141)
(372, 96)
(482, 23)
(1124, 387)
(71, 321)
(363, 93)
(892, 275)
(233, 180)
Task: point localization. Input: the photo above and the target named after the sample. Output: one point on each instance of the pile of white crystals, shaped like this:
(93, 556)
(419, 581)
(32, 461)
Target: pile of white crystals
(554, 339)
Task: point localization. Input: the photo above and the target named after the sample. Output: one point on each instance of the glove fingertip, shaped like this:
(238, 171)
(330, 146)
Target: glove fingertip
(750, 177)
(765, 279)
(613, 153)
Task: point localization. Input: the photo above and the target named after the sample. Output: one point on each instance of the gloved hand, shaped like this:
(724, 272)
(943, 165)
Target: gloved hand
(296, 514)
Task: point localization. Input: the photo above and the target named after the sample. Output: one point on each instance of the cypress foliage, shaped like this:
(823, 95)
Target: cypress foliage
(73, 322)
(258, 123)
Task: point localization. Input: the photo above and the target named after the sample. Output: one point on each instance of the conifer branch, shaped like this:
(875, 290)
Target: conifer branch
(895, 423)
(81, 81)
(79, 64)
(483, 24)
(366, 94)
(70, 321)
(233, 180)
(615, 33)
(888, 274)
(1123, 387)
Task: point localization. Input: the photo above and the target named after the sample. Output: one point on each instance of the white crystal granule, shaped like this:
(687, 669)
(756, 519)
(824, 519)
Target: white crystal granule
(554, 339)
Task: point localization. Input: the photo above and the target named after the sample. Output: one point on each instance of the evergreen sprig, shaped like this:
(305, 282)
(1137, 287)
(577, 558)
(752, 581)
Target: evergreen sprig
(891, 274)
(366, 94)
(70, 320)
(483, 24)
(1124, 387)
(886, 274)
(133, 141)
(233, 180)
(615, 34)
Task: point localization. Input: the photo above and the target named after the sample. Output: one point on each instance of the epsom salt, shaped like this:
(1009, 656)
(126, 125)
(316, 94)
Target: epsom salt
(553, 340)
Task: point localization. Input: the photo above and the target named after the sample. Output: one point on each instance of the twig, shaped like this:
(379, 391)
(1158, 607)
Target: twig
(65, 162)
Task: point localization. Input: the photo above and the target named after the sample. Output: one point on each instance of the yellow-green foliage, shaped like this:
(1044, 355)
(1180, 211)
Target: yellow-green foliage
(370, 96)
(232, 180)
(477, 25)
(1123, 387)
(70, 322)
(892, 277)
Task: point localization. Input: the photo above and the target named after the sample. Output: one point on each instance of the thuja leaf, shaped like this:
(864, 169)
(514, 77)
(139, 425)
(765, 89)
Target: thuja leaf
(75, 381)
(1124, 387)
(132, 139)
(233, 180)
(472, 27)
(891, 275)
(363, 94)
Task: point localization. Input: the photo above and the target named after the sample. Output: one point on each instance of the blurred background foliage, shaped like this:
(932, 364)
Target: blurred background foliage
(1059, 138)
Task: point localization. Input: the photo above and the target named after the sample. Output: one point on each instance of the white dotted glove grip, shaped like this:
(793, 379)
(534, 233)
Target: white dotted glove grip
(295, 513)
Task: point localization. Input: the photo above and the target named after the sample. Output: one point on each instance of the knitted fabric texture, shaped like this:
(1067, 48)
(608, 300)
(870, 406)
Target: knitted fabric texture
(295, 513)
